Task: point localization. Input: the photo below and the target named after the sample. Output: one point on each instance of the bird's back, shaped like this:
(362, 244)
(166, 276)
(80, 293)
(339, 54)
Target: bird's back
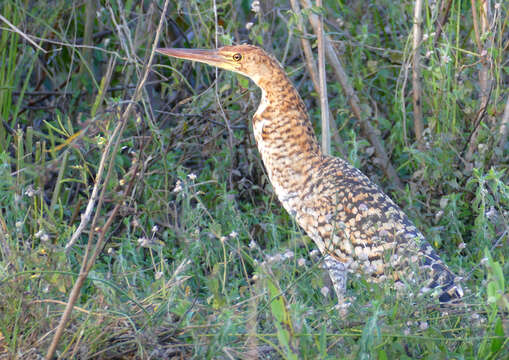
(355, 222)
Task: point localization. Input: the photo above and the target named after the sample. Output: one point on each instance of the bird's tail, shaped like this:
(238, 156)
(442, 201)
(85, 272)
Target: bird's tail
(442, 277)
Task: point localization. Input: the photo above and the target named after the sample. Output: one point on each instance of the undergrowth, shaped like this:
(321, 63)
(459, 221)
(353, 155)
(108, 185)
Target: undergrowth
(201, 260)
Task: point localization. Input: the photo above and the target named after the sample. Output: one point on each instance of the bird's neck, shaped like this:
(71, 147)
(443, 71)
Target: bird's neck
(281, 123)
(285, 138)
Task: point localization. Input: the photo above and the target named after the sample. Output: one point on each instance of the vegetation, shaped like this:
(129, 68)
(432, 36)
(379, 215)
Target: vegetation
(199, 260)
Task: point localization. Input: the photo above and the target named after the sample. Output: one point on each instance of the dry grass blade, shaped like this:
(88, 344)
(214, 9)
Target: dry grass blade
(27, 38)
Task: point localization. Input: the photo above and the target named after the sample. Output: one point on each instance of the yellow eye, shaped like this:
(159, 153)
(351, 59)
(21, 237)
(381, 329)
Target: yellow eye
(237, 57)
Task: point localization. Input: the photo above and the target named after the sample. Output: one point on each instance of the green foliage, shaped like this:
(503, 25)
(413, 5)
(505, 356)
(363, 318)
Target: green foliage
(201, 260)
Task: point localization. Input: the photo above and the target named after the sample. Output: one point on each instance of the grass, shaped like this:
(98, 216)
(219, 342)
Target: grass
(201, 261)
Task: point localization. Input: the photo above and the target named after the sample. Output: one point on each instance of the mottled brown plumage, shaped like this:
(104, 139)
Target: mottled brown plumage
(355, 225)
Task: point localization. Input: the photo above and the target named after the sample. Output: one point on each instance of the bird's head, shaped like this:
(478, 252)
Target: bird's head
(248, 60)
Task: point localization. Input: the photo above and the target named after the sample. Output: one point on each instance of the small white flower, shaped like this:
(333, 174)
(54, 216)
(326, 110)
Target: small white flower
(178, 187)
(491, 213)
(192, 176)
(446, 59)
(19, 225)
(439, 215)
(143, 242)
(484, 260)
(252, 244)
(325, 291)
(155, 228)
(288, 254)
(158, 275)
(38, 234)
(45, 237)
(406, 332)
(314, 253)
(255, 6)
(30, 191)
(301, 262)
(233, 234)
(222, 239)
(111, 251)
(249, 25)
(462, 245)
(423, 325)
(275, 259)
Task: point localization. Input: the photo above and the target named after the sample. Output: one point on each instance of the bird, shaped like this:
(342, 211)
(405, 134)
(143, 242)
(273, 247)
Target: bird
(355, 225)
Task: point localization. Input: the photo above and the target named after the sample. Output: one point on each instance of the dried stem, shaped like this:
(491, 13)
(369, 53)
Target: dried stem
(441, 22)
(354, 102)
(87, 262)
(311, 66)
(504, 126)
(324, 104)
(416, 76)
(485, 85)
(23, 35)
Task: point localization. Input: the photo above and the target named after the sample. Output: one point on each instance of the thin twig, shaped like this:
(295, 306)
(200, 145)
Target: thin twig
(504, 126)
(441, 22)
(311, 66)
(88, 263)
(23, 35)
(354, 102)
(324, 104)
(485, 83)
(416, 76)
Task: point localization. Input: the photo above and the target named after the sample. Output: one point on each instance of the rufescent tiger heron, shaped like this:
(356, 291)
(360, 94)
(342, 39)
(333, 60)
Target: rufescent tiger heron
(355, 225)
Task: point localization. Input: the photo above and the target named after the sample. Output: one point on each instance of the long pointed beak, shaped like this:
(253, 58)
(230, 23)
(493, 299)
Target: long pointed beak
(206, 56)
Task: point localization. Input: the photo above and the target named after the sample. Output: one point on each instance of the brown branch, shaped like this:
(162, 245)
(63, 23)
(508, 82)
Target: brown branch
(416, 76)
(89, 262)
(368, 130)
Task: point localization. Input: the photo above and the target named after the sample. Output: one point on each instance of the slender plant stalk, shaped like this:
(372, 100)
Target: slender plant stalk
(483, 41)
(311, 66)
(324, 103)
(442, 21)
(416, 76)
(504, 126)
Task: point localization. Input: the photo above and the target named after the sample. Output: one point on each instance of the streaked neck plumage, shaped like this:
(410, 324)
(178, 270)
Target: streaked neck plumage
(282, 128)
